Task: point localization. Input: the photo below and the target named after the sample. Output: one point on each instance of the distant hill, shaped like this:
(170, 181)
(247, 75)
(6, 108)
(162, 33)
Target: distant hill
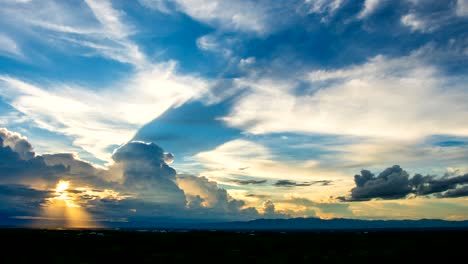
(332, 224)
(299, 224)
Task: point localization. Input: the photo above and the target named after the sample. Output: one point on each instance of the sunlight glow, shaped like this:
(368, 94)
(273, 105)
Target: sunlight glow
(64, 210)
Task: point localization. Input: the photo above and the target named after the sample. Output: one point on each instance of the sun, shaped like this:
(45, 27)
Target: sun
(62, 186)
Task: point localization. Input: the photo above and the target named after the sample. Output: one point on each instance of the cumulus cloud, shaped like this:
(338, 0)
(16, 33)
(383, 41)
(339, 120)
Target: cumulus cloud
(454, 193)
(16, 143)
(138, 185)
(392, 183)
(202, 192)
(395, 183)
(268, 208)
(146, 173)
(18, 164)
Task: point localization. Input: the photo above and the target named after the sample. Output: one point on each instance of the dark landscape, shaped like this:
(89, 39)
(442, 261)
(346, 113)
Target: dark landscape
(181, 246)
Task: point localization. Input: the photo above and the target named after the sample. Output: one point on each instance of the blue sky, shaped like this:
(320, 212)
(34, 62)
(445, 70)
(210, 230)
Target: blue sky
(245, 96)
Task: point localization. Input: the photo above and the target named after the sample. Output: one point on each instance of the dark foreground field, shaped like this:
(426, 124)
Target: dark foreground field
(40, 246)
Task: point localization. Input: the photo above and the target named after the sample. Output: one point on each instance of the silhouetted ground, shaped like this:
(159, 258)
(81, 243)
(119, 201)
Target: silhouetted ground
(74, 246)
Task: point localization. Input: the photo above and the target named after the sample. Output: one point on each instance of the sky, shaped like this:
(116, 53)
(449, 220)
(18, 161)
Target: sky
(215, 110)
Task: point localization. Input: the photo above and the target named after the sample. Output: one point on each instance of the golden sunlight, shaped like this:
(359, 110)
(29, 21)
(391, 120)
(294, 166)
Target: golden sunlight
(64, 209)
(62, 186)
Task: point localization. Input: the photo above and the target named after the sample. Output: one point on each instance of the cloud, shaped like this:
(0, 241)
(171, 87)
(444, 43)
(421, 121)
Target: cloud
(109, 18)
(342, 101)
(16, 143)
(288, 183)
(415, 23)
(454, 193)
(20, 200)
(203, 193)
(92, 28)
(138, 185)
(90, 118)
(395, 183)
(392, 183)
(321, 6)
(18, 163)
(268, 208)
(249, 182)
(246, 16)
(425, 185)
(462, 8)
(429, 16)
(146, 173)
(225, 160)
(8, 46)
(370, 6)
(324, 210)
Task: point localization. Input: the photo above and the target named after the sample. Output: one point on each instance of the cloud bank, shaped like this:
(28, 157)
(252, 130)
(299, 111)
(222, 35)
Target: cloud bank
(138, 186)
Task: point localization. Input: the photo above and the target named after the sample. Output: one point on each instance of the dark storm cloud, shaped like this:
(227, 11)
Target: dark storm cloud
(289, 183)
(458, 192)
(20, 200)
(392, 183)
(395, 183)
(249, 182)
(429, 184)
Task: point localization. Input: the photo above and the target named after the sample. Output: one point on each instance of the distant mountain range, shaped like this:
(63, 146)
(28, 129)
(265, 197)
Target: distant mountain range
(304, 224)
(332, 224)
(292, 224)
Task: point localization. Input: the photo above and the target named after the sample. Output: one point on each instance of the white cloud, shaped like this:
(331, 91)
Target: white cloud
(98, 119)
(415, 23)
(226, 161)
(375, 153)
(252, 16)
(369, 7)
(109, 17)
(242, 15)
(462, 8)
(324, 6)
(399, 98)
(94, 25)
(9, 46)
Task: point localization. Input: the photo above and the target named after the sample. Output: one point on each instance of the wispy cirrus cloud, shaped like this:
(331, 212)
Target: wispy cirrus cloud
(96, 120)
(9, 47)
(94, 25)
